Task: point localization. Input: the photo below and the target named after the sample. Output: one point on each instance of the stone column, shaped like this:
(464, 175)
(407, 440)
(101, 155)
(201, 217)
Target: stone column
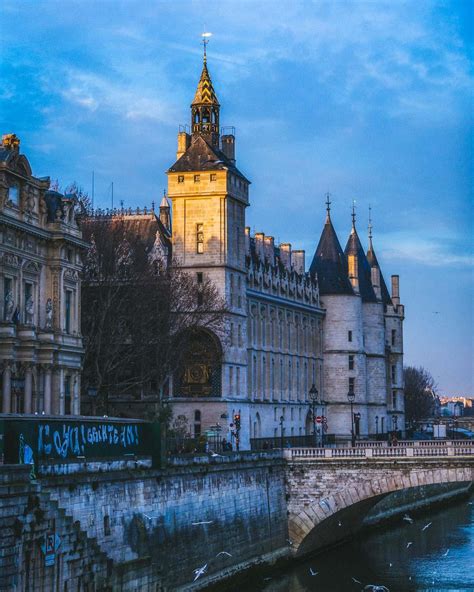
(76, 401)
(47, 389)
(59, 409)
(28, 388)
(7, 387)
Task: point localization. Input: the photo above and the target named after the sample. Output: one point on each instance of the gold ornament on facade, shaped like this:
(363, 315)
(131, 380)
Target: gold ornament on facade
(11, 141)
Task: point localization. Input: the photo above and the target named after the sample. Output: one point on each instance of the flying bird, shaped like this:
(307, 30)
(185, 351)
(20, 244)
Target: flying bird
(408, 519)
(356, 580)
(313, 573)
(446, 554)
(203, 522)
(409, 544)
(426, 526)
(339, 523)
(223, 553)
(200, 571)
(289, 542)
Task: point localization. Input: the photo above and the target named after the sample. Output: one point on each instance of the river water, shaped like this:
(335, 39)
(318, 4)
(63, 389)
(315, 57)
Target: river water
(440, 558)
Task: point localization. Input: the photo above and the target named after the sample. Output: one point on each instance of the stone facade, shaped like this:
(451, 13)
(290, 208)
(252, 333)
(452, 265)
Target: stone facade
(40, 262)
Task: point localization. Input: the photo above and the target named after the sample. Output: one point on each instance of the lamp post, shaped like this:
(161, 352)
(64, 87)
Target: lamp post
(351, 397)
(282, 419)
(324, 421)
(357, 424)
(313, 398)
(376, 427)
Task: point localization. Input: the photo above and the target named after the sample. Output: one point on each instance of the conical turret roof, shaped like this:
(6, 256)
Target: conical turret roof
(354, 247)
(205, 94)
(330, 264)
(372, 259)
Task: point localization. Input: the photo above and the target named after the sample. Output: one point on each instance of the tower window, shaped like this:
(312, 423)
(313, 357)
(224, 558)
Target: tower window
(349, 336)
(394, 335)
(351, 384)
(199, 277)
(180, 178)
(197, 178)
(68, 311)
(394, 374)
(213, 177)
(394, 399)
(200, 238)
(351, 362)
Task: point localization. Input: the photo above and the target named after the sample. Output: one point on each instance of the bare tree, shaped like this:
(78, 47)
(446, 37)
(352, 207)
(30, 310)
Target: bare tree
(137, 312)
(420, 395)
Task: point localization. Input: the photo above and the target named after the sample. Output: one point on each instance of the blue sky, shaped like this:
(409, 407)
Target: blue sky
(369, 100)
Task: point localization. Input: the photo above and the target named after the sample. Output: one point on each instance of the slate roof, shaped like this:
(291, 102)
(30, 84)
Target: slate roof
(330, 264)
(201, 156)
(354, 247)
(372, 259)
(205, 94)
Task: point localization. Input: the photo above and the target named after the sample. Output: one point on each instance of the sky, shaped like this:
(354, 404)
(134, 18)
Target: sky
(371, 101)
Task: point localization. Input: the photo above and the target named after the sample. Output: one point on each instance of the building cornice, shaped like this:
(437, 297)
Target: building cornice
(284, 302)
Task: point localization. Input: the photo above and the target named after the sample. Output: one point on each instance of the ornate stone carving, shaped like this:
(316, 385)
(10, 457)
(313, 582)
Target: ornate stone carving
(71, 274)
(9, 306)
(49, 314)
(29, 310)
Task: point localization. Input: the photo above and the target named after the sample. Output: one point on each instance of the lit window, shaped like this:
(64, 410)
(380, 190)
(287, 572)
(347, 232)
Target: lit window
(213, 177)
(180, 178)
(200, 238)
(197, 178)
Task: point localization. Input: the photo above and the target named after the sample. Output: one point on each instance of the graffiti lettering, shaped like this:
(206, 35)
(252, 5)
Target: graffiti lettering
(72, 440)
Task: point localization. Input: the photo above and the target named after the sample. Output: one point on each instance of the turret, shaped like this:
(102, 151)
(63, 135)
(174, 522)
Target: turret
(205, 109)
(165, 217)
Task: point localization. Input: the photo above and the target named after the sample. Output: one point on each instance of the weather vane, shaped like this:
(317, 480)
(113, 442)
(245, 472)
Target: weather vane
(205, 41)
(353, 212)
(370, 222)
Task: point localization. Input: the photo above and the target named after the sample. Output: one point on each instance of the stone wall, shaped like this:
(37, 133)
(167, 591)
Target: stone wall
(236, 506)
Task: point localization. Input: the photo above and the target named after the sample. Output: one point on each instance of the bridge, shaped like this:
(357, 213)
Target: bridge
(331, 490)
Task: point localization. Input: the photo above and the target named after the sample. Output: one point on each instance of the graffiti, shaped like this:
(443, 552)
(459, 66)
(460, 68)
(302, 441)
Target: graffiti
(83, 439)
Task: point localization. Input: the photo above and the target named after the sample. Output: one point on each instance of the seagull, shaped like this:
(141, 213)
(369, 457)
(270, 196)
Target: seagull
(409, 544)
(223, 553)
(200, 571)
(149, 517)
(356, 580)
(203, 522)
(426, 526)
(408, 519)
(215, 454)
(446, 554)
(339, 523)
(390, 564)
(313, 573)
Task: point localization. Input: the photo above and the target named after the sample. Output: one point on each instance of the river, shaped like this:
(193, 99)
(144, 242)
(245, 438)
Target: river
(439, 558)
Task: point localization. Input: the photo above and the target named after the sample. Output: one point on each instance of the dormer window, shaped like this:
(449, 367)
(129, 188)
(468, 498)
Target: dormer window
(14, 194)
(197, 178)
(180, 178)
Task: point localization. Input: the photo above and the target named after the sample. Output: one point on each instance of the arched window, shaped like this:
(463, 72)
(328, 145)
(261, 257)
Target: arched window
(196, 117)
(205, 116)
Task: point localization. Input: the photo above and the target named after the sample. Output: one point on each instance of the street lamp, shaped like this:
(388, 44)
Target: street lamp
(351, 397)
(376, 427)
(313, 397)
(324, 421)
(282, 419)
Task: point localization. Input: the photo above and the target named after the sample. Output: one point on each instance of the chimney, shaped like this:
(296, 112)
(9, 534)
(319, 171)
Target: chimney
(395, 290)
(375, 278)
(259, 238)
(353, 265)
(299, 261)
(269, 248)
(247, 240)
(184, 141)
(285, 255)
(228, 146)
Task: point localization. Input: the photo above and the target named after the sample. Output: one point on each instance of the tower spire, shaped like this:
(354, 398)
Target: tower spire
(370, 226)
(328, 208)
(205, 41)
(353, 214)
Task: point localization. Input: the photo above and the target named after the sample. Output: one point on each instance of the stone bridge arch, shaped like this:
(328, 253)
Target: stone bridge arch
(336, 509)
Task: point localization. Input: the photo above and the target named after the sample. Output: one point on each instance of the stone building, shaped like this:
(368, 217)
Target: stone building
(40, 262)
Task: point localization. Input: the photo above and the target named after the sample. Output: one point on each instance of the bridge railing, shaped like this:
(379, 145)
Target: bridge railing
(410, 443)
(448, 449)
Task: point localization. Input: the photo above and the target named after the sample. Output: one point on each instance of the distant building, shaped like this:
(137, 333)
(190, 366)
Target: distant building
(40, 262)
